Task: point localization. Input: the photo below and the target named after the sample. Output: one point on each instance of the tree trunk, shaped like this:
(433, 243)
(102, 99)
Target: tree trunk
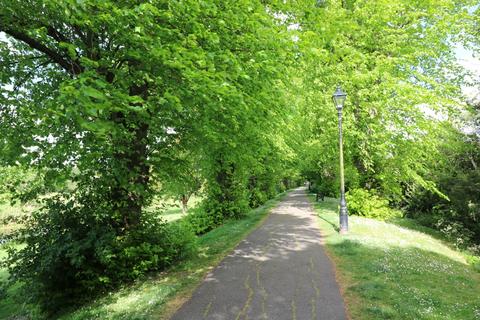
(129, 199)
(184, 200)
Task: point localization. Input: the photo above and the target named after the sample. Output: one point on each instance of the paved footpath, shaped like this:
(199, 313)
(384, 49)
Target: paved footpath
(280, 271)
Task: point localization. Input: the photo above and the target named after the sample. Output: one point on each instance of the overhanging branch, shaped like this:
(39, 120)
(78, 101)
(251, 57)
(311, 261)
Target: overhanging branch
(70, 66)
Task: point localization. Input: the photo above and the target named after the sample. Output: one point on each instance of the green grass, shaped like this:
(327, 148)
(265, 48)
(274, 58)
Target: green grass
(157, 296)
(395, 271)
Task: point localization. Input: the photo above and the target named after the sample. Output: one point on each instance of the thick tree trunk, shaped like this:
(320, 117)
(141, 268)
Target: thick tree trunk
(129, 199)
(137, 162)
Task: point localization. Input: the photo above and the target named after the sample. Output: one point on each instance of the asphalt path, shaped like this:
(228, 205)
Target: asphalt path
(280, 271)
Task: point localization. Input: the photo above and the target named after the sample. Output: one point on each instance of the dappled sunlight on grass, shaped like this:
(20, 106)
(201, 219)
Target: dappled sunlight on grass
(393, 272)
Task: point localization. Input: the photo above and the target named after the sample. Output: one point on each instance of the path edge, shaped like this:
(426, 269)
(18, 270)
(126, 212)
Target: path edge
(331, 257)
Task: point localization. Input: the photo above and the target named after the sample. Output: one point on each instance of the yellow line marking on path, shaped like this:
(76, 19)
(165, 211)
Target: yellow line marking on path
(293, 304)
(207, 310)
(249, 299)
(311, 267)
(294, 310)
(263, 292)
(314, 308)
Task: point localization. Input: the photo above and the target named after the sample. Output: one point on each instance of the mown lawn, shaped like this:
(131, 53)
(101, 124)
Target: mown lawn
(158, 296)
(393, 271)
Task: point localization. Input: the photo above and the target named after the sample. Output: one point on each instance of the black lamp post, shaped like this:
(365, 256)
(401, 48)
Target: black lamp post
(339, 99)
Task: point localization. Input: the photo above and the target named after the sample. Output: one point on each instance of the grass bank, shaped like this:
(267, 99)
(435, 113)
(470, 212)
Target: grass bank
(159, 295)
(393, 271)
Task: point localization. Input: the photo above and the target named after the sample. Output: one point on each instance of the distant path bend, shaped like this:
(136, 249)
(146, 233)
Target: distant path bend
(280, 271)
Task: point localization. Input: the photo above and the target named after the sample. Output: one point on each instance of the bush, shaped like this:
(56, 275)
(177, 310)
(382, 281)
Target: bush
(229, 200)
(367, 203)
(474, 261)
(457, 217)
(280, 187)
(454, 231)
(325, 187)
(257, 197)
(75, 251)
(202, 221)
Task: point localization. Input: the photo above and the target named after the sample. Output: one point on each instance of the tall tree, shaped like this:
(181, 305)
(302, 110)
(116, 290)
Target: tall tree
(111, 95)
(396, 62)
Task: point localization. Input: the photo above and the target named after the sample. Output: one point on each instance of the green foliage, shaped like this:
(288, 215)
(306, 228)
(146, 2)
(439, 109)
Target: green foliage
(121, 100)
(264, 185)
(403, 112)
(228, 196)
(257, 197)
(327, 187)
(19, 183)
(458, 214)
(148, 298)
(402, 96)
(233, 200)
(202, 221)
(475, 262)
(367, 203)
(72, 252)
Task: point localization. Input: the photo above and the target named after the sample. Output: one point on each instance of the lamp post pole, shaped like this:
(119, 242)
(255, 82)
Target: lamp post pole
(339, 98)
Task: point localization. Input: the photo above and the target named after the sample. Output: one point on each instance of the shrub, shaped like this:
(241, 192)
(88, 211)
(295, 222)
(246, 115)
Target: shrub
(280, 187)
(202, 221)
(257, 197)
(367, 203)
(73, 250)
(325, 187)
(461, 209)
(454, 231)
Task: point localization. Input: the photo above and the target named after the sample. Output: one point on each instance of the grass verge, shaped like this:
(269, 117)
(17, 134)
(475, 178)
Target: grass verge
(388, 271)
(158, 296)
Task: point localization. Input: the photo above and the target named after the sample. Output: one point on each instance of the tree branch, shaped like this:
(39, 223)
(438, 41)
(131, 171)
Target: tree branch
(71, 67)
(52, 32)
